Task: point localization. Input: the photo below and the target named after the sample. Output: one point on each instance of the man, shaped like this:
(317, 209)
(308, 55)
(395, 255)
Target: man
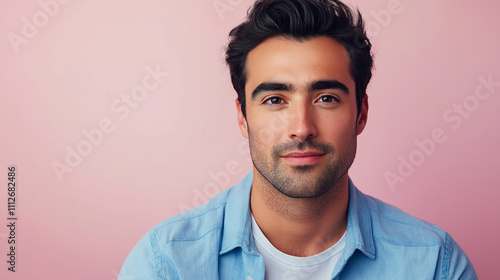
(304, 65)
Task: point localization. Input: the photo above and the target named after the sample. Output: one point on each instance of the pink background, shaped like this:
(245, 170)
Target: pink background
(172, 150)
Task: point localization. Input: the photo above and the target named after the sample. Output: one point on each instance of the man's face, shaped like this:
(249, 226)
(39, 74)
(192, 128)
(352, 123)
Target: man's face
(301, 114)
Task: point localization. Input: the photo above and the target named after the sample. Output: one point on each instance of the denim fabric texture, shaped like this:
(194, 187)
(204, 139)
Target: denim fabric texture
(214, 241)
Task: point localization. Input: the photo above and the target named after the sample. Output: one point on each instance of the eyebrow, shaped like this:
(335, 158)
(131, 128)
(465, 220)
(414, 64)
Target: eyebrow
(328, 84)
(269, 86)
(317, 85)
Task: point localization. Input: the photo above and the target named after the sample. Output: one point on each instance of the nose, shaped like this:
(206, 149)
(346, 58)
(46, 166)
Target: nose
(302, 123)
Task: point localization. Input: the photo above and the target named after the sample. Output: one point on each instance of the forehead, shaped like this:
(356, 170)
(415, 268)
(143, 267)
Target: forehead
(298, 62)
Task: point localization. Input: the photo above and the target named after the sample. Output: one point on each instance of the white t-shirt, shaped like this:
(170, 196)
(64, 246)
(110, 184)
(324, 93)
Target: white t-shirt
(281, 266)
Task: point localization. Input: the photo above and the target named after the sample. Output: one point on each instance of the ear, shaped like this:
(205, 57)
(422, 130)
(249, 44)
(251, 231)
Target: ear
(242, 122)
(363, 116)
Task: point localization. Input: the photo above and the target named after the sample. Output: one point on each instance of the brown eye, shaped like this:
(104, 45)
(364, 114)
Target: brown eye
(327, 99)
(274, 100)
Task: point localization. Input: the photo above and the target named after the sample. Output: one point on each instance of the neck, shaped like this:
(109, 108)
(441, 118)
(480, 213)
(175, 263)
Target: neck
(300, 226)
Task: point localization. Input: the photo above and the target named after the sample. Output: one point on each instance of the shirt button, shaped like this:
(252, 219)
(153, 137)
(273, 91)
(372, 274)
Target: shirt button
(249, 277)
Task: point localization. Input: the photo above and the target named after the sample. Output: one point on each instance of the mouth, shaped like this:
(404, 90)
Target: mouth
(303, 158)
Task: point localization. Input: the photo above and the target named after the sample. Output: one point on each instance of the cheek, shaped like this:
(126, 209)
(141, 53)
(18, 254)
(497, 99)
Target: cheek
(339, 127)
(268, 128)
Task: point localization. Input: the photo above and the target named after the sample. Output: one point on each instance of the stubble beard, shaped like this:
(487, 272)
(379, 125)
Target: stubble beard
(307, 181)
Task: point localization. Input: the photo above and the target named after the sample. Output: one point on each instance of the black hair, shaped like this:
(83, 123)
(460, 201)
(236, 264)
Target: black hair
(300, 20)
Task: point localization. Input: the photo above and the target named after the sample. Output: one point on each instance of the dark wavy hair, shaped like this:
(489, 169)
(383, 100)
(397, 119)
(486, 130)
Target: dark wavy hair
(300, 20)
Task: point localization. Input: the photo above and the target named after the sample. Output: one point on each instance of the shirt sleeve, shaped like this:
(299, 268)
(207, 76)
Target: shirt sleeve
(459, 265)
(143, 261)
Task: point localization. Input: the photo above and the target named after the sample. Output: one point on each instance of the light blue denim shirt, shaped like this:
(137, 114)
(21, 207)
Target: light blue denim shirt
(214, 241)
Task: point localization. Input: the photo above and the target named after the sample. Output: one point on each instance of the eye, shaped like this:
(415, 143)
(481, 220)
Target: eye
(274, 101)
(328, 99)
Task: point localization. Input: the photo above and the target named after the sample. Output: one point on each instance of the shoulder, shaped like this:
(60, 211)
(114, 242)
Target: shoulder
(406, 243)
(170, 247)
(400, 228)
(414, 239)
(193, 224)
(207, 219)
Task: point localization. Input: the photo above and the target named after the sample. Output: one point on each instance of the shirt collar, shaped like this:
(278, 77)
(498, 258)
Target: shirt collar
(237, 231)
(359, 224)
